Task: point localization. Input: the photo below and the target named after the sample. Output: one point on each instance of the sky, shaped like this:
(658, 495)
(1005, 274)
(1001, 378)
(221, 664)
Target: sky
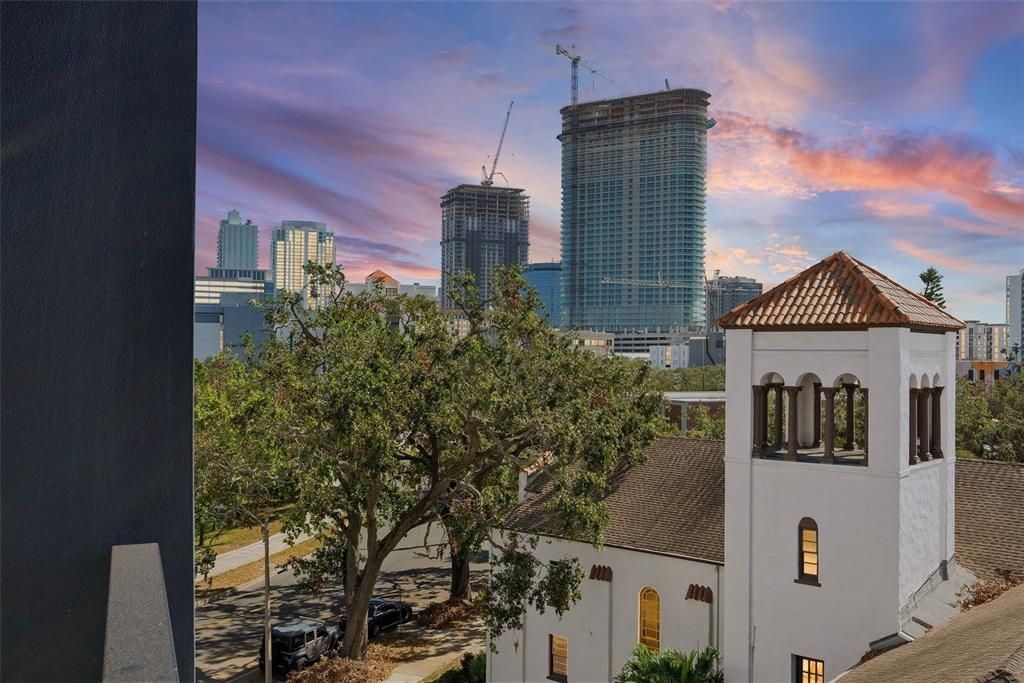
(893, 131)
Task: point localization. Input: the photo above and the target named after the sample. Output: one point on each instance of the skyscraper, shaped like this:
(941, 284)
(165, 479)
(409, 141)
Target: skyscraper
(726, 293)
(482, 227)
(546, 278)
(633, 186)
(238, 243)
(294, 244)
(1015, 309)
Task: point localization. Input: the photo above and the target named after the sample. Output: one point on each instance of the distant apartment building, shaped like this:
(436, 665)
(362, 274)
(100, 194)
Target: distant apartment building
(391, 286)
(726, 293)
(598, 343)
(669, 357)
(633, 203)
(1015, 309)
(294, 244)
(225, 324)
(981, 341)
(482, 226)
(696, 351)
(238, 243)
(546, 278)
(210, 288)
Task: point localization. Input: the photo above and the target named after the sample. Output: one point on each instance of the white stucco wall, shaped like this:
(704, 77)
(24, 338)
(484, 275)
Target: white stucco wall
(882, 529)
(603, 627)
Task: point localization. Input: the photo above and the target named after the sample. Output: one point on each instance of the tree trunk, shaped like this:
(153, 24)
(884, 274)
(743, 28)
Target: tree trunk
(267, 646)
(353, 645)
(460, 577)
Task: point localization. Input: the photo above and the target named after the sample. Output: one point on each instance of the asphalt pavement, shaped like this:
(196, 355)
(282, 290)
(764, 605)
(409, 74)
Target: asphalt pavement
(229, 625)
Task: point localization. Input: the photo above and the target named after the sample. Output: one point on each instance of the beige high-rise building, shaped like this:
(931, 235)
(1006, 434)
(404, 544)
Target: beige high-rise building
(294, 244)
(981, 341)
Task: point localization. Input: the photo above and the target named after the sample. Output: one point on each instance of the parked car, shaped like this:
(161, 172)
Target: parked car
(381, 616)
(298, 643)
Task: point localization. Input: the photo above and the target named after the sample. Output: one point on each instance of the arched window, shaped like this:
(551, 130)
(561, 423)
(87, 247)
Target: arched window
(650, 619)
(808, 560)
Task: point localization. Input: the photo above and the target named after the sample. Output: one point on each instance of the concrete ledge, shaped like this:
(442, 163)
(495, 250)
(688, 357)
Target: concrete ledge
(139, 644)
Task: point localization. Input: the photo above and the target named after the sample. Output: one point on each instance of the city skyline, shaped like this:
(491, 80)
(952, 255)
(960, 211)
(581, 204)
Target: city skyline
(890, 131)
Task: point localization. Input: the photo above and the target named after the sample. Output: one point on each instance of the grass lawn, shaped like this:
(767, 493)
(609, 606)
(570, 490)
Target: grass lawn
(239, 537)
(254, 570)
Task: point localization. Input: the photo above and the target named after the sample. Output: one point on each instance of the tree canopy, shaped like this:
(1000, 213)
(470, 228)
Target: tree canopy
(391, 419)
(932, 280)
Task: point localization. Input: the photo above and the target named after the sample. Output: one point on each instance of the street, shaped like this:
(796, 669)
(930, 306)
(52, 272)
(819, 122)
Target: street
(229, 626)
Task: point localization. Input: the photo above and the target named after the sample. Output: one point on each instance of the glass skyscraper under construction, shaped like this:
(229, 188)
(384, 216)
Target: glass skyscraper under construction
(633, 196)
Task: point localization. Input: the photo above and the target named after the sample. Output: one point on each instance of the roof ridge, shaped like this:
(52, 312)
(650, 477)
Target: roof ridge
(893, 307)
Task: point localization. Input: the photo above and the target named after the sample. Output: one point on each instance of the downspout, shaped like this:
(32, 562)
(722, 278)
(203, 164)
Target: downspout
(611, 623)
(718, 608)
(526, 614)
(751, 629)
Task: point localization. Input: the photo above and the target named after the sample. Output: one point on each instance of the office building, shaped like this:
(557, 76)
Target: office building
(726, 293)
(391, 286)
(633, 197)
(1015, 310)
(981, 341)
(640, 343)
(226, 323)
(238, 243)
(546, 278)
(294, 244)
(482, 227)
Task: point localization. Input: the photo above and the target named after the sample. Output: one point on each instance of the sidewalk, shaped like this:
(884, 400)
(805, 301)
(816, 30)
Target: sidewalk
(445, 646)
(251, 553)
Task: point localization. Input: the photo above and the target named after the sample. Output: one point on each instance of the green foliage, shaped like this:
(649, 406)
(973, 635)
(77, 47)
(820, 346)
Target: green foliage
(701, 424)
(705, 378)
(990, 418)
(472, 669)
(671, 666)
(932, 291)
(390, 420)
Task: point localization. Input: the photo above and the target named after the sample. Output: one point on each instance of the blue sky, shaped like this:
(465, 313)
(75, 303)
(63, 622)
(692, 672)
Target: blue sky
(894, 131)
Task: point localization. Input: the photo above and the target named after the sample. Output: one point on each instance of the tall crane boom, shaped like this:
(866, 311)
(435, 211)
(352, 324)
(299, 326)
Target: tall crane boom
(489, 177)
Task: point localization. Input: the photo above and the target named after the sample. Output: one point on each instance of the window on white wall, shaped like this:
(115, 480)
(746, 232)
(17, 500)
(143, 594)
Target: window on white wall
(650, 619)
(808, 670)
(558, 658)
(808, 552)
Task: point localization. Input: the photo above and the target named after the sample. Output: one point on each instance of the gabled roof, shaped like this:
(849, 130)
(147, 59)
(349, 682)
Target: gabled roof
(990, 518)
(839, 292)
(380, 277)
(983, 645)
(674, 503)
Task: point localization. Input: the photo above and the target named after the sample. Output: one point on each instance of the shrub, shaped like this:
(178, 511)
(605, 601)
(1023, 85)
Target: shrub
(671, 666)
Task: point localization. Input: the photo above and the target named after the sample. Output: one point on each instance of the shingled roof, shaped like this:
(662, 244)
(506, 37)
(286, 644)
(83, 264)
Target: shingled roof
(990, 517)
(674, 503)
(984, 645)
(839, 292)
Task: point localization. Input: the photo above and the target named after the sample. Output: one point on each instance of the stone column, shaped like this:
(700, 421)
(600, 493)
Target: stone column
(817, 416)
(851, 444)
(913, 427)
(923, 415)
(830, 421)
(777, 437)
(791, 429)
(765, 390)
(758, 390)
(936, 430)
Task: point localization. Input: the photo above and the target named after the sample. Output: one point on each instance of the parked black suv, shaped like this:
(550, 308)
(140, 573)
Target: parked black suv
(381, 616)
(298, 643)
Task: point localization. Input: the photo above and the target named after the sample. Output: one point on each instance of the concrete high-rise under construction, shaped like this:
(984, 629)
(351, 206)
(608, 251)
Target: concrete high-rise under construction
(482, 226)
(633, 193)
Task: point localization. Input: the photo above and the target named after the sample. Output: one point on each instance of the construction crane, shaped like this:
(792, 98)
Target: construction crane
(489, 177)
(573, 263)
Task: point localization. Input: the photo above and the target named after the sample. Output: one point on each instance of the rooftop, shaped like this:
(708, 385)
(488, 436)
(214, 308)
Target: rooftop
(990, 517)
(839, 292)
(983, 645)
(689, 523)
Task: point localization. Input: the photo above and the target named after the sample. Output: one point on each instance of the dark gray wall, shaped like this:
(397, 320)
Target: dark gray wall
(96, 242)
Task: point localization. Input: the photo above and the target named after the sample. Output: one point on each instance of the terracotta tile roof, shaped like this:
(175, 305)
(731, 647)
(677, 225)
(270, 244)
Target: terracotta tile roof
(673, 503)
(990, 517)
(984, 645)
(380, 277)
(838, 293)
(700, 593)
(600, 572)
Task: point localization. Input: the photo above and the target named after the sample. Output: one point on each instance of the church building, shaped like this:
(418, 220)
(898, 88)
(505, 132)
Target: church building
(824, 527)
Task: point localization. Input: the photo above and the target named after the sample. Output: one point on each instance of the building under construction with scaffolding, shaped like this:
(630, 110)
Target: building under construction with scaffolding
(634, 175)
(482, 226)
